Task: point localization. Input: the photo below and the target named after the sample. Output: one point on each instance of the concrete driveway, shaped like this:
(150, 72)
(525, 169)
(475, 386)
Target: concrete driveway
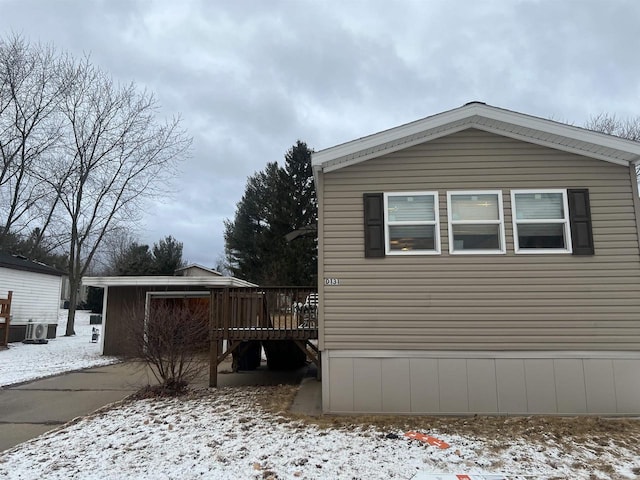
(30, 409)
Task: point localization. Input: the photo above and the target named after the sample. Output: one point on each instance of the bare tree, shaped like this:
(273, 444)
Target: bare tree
(113, 248)
(114, 156)
(171, 337)
(628, 128)
(29, 132)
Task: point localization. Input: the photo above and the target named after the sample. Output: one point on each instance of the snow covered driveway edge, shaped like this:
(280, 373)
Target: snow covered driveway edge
(22, 363)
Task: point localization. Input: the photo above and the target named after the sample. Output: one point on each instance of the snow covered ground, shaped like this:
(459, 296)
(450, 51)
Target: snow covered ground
(21, 362)
(226, 434)
(245, 433)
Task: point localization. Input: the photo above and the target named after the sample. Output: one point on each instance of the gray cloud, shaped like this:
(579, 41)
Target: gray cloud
(250, 78)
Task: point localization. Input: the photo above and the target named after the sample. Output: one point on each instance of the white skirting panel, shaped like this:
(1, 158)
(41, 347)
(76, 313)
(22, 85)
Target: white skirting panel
(485, 383)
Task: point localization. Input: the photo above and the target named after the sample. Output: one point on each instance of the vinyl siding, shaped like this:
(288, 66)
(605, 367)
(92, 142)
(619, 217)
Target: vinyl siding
(494, 383)
(36, 296)
(126, 305)
(480, 302)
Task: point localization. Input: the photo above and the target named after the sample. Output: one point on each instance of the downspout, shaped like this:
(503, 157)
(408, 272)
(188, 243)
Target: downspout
(318, 178)
(633, 176)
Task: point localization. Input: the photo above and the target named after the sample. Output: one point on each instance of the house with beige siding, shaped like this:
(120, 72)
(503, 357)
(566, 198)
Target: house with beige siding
(480, 261)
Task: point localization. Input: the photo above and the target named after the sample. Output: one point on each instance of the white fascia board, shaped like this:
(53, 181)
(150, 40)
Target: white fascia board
(394, 148)
(391, 140)
(394, 134)
(166, 281)
(556, 146)
(560, 129)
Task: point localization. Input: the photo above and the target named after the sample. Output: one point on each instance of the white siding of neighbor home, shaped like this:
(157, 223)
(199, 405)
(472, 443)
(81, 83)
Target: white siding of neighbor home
(480, 302)
(36, 296)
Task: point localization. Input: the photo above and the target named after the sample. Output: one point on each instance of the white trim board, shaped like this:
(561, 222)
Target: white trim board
(483, 117)
(559, 354)
(166, 281)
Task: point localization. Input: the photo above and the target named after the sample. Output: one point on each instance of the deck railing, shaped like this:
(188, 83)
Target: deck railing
(5, 318)
(264, 313)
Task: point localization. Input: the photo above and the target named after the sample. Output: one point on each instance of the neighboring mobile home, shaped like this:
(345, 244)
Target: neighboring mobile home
(480, 261)
(36, 294)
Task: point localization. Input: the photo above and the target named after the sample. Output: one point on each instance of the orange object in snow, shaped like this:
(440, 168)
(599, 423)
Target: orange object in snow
(427, 439)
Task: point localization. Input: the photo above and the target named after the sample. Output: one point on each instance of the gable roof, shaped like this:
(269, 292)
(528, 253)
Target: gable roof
(199, 267)
(482, 117)
(17, 262)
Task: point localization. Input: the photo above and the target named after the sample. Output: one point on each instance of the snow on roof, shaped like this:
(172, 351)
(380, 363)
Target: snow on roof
(166, 280)
(482, 117)
(18, 262)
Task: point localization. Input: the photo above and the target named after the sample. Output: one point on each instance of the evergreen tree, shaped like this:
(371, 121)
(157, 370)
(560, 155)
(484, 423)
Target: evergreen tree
(95, 296)
(136, 260)
(304, 207)
(34, 248)
(276, 202)
(167, 256)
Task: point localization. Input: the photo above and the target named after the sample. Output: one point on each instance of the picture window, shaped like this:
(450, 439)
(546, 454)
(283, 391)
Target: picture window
(476, 224)
(540, 221)
(411, 223)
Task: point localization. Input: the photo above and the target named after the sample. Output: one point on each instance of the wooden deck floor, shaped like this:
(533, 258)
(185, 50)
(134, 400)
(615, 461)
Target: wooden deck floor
(266, 333)
(240, 315)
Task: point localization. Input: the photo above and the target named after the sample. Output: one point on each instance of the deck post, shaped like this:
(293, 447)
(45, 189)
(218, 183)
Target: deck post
(5, 312)
(213, 340)
(213, 363)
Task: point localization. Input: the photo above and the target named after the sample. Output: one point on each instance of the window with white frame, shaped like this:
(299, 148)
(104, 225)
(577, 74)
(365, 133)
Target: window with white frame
(476, 222)
(411, 223)
(540, 221)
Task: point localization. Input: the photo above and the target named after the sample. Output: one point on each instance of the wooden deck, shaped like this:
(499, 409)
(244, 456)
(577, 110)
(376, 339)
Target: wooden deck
(240, 315)
(5, 318)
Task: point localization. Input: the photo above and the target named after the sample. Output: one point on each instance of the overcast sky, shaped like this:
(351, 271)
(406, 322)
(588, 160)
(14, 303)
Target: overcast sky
(249, 78)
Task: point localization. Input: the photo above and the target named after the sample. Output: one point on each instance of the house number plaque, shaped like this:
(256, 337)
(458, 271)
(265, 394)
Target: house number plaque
(332, 281)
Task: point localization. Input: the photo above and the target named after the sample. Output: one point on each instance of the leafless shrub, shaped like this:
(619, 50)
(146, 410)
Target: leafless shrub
(171, 337)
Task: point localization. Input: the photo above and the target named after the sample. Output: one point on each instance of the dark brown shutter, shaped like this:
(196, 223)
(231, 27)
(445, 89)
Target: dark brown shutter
(373, 225)
(580, 221)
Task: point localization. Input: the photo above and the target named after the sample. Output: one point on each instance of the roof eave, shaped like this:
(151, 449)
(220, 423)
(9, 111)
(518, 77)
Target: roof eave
(174, 281)
(470, 116)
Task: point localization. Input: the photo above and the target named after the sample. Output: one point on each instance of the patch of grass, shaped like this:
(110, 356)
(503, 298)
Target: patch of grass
(170, 389)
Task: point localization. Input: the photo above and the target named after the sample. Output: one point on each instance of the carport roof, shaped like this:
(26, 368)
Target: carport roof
(166, 281)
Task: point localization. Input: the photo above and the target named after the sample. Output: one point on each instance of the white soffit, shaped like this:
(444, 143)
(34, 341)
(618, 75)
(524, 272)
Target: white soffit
(166, 281)
(483, 117)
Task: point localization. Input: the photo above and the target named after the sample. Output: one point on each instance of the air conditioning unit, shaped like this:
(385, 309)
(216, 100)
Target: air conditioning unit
(36, 333)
